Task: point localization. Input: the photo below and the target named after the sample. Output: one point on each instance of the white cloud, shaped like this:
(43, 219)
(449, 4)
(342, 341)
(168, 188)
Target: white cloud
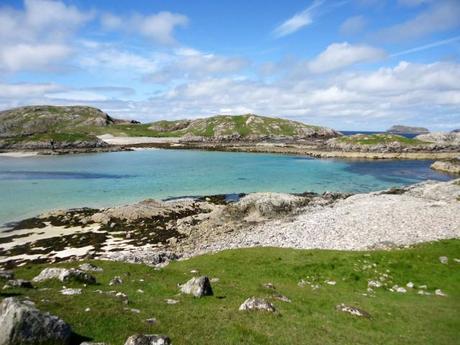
(37, 36)
(298, 21)
(441, 16)
(157, 27)
(353, 25)
(339, 55)
(27, 90)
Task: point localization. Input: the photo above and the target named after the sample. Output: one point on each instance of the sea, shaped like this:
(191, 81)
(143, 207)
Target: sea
(31, 185)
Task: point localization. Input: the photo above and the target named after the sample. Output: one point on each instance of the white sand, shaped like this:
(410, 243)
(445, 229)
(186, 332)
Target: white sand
(110, 139)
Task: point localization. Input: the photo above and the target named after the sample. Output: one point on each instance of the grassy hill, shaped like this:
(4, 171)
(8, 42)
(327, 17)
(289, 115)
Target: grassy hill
(71, 123)
(311, 317)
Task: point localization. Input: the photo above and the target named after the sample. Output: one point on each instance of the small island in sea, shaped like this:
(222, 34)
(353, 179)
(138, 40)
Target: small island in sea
(178, 172)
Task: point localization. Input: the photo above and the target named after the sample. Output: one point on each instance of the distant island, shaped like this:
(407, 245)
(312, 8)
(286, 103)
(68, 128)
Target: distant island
(400, 129)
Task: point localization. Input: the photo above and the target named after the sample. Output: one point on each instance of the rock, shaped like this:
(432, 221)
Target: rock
(22, 324)
(19, 283)
(398, 289)
(6, 275)
(148, 339)
(282, 298)
(64, 275)
(374, 284)
(440, 138)
(171, 301)
(214, 280)
(352, 310)
(423, 292)
(254, 303)
(90, 268)
(423, 287)
(148, 257)
(198, 287)
(457, 260)
(410, 285)
(438, 292)
(269, 286)
(116, 281)
(444, 260)
(151, 321)
(67, 291)
(452, 166)
(91, 343)
(330, 282)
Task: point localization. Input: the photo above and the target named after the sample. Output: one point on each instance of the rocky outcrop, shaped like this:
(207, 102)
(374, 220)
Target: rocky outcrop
(399, 129)
(441, 138)
(148, 339)
(198, 287)
(22, 324)
(352, 310)
(451, 167)
(64, 275)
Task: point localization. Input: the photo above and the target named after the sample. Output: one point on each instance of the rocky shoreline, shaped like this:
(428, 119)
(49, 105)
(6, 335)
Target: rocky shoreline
(155, 232)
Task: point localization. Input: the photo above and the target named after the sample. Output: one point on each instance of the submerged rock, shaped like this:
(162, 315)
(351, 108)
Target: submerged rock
(198, 287)
(64, 275)
(148, 339)
(21, 324)
(254, 303)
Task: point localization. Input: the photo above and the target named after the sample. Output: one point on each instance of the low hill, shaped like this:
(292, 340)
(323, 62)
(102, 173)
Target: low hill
(235, 127)
(62, 127)
(399, 129)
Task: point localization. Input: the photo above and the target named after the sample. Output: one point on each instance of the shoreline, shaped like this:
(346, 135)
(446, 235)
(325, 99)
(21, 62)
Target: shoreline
(188, 227)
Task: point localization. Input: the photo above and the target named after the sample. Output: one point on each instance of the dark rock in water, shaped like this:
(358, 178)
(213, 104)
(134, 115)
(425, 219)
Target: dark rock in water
(198, 287)
(352, 310)
(148, 339)
(21, 324)
(6, 275)
(254, 303)
(64, 275)
(19, 283)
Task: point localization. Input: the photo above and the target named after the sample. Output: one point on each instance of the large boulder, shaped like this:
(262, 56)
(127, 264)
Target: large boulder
(442, 138)
(64, 275)
(198, 287)
(21, 324)
(148, 339)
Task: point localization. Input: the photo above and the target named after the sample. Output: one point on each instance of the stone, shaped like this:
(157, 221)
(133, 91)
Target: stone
(6, 275)
(457, 260)
(148, 339)
(70, 292)
(269, 286)
(438, 292)
(352, 310)
(151, 321)
(374, 284)
(282, 298)
(198, 287)
(444, 260)
(116, 281)
(171, 301)
(254, 303)
(19, 283)
(423, 293)
(21, 324)
(399, 289)
(410, 285)
(90, 267)
(330, 282)
(64, 275)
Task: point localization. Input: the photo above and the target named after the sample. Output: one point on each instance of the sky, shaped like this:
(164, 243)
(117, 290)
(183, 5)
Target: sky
(349, 65)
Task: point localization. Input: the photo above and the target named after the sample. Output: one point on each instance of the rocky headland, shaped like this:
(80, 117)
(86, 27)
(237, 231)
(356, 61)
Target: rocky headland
(400, 129)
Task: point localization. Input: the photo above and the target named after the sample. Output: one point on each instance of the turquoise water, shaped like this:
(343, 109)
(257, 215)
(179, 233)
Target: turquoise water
(35, 184)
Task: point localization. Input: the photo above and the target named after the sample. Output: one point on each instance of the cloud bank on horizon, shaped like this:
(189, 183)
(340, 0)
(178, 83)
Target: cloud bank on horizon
(352, 64)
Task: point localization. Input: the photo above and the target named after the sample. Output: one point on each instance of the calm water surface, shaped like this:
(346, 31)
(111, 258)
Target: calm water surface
(35, 184)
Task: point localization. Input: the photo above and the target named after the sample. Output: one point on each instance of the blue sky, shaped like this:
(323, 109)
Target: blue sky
(352, 64)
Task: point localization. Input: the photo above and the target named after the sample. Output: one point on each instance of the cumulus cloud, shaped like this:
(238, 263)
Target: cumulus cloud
(340, 55)
(298, 21)
(440, 16)
(157, 27)
(35, 37)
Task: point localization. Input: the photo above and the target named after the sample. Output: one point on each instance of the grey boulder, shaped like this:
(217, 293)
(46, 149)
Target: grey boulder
(21, 323)
(198, 287)
(6, 275)
(65, 275)
(148, 339)
(254, 303)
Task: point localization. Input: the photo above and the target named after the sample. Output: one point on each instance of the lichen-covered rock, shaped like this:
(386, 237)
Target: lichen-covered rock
(64, 275)
(198, 287)
(6, 275)
(254, 303)
(22, 324)
(148, 339)
(352, 310)
(89, 267)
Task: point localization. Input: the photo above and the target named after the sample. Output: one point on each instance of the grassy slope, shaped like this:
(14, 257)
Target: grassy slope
(374, 139)
(310, 318)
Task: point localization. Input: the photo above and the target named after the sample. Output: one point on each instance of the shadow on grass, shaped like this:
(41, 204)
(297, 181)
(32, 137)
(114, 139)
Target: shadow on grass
(77, 339)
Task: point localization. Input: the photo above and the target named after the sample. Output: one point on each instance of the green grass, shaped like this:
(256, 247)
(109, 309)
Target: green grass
(311, 318)
(374, 139)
